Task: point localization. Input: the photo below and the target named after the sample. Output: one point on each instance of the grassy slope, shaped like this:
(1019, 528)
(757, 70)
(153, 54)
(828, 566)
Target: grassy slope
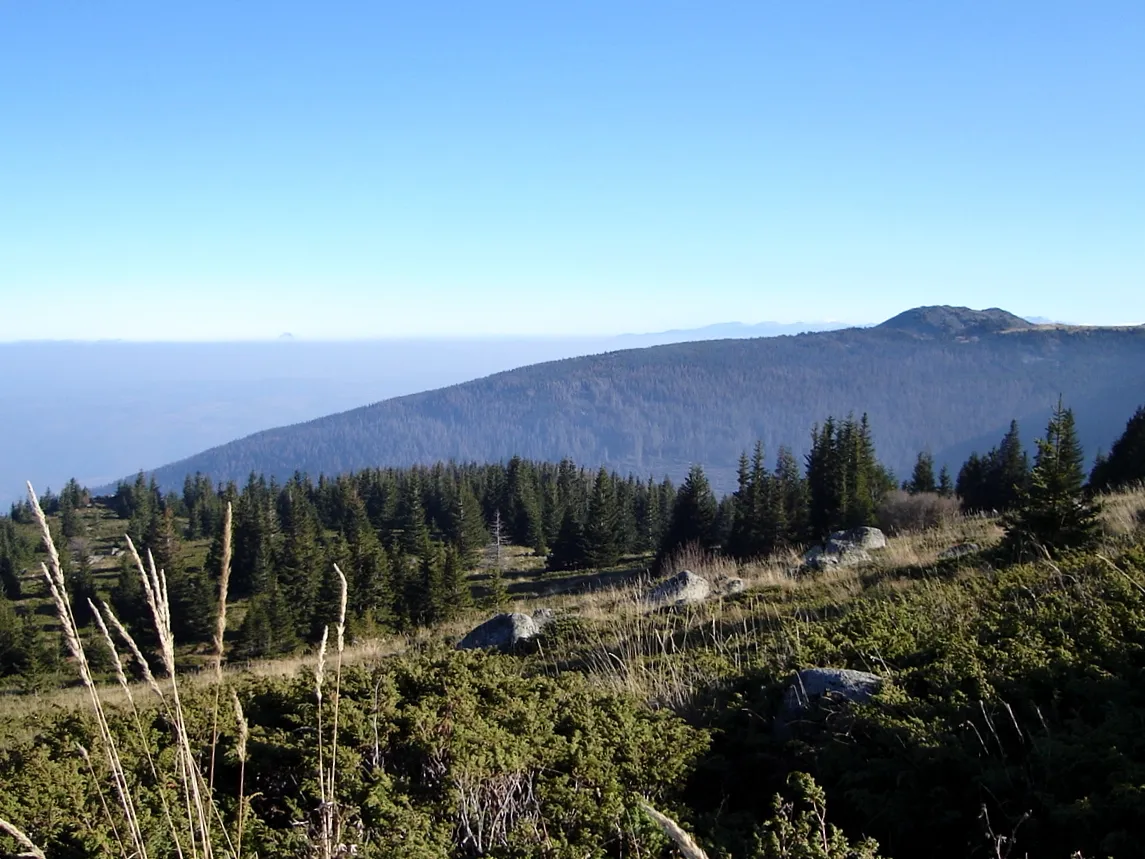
(970, 651)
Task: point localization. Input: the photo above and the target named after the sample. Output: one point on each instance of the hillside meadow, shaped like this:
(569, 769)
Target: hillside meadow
(1009, 722)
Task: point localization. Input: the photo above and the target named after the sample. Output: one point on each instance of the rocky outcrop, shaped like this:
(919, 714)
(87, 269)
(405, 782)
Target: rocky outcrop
(684, 588)
(846, 549)
(813, 686)
(958, 551)
(502, 631)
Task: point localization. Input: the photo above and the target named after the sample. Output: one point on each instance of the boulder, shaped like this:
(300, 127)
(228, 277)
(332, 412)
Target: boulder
(503, 631)
(860, 538)
(958, 551)
(835, 555)
(846, 549)
(684, 588)
(813, 685)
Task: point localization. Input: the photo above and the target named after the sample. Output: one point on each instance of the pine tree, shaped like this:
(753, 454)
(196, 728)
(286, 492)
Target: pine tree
(455, 594)
(569, 550)
(268, 627)
(298, 563)
(1125, 463)
(922, 478)
(1054, 513)
(693, 514)
(792, 497)
(15, 554)
(467, 526)
(601, 544)
(945, 486)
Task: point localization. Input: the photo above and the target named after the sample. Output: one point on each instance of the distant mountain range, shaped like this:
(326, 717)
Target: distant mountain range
(98, 410)
(947, 379)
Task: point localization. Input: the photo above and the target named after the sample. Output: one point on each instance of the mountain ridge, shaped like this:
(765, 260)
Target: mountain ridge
(658, 410)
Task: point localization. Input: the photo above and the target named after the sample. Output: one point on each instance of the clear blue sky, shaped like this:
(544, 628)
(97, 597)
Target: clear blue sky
(206, 170)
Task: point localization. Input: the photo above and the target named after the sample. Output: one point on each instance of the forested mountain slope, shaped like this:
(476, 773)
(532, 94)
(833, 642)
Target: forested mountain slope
(946, 379)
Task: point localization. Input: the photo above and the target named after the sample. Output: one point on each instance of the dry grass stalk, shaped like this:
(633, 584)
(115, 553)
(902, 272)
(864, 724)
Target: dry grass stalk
(244, 734)
(196, 792)
(57, 586)
(319, 677)
(328, 801)
(30, 849)
(687, 846)
(121, 677)
(220, 634)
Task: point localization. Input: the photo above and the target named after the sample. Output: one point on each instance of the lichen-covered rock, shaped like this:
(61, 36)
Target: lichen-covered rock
(958, 551)
(732, 586)
(502, 631)
(860, 538)
(835, 555)
(812, 685)
(684, 588)
(846, 549)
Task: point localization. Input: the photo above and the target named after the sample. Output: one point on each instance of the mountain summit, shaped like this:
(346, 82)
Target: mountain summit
(947, 321)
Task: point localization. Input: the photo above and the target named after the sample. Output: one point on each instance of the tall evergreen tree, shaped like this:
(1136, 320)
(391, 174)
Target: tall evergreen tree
(945, 486)
(1054, 514)
(455, 594)
(569, 551)
(467, 526)
(1125, 464)
(693, 514)
(601, 540)
(922, 478)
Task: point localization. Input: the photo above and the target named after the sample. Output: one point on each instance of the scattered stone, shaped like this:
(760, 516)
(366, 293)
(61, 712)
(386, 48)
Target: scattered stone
(958, 551)
(684, 588)
(813, 685)
(733, 586)
(503, 631)
(116, 552)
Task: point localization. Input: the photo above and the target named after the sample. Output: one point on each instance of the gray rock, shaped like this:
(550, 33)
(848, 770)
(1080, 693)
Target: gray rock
(846, 549)
(503, 631)
(860, 538)
(958, 551)
(812, 685)
(684, 588)
(733, 586)
(835, 555)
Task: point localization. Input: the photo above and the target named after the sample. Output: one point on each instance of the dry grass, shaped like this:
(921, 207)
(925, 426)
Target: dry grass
(195, 823)
(1123, 513)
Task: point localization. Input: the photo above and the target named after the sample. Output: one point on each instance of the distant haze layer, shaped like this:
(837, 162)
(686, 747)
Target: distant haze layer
(98, 411)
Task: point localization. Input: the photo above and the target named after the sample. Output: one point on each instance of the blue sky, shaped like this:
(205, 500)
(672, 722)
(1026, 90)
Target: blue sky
(216, 170)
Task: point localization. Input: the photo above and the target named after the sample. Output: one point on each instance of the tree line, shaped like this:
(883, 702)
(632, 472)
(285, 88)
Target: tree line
(408, 539)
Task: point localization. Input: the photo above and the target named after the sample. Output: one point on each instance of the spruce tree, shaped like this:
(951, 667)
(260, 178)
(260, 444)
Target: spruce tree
(694, 514)
(1125, 464)
(268, 626)
(455, 594)
(467, 526)
(945, 486)
(1055, 513)
(569, 551)
(922, 478)
(601, 544)
(792, 499)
